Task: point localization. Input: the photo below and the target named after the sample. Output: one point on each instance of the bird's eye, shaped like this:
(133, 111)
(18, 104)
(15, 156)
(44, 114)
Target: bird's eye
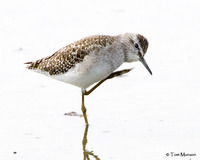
(136, 45)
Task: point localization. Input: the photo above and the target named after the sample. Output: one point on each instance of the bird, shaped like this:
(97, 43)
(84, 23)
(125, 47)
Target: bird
(93, 60)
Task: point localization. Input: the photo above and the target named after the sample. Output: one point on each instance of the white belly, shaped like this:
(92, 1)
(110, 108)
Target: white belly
(94, 68)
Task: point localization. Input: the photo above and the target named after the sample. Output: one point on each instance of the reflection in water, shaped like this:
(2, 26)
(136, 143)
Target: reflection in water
(87, 154)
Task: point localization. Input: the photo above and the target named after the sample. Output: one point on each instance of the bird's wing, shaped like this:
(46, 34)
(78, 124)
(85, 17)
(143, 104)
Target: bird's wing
(67, 57)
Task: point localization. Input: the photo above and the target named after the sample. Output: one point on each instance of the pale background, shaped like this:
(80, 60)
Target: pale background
(138, 116)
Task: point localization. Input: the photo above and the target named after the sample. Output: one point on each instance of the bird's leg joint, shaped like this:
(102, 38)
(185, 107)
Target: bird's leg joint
(83, 109)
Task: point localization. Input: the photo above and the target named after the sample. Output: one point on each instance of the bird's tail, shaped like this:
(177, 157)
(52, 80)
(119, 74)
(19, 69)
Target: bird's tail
(28, 62)
(33, 65)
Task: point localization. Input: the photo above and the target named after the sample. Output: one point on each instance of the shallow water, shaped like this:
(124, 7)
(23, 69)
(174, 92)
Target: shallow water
(137, 116)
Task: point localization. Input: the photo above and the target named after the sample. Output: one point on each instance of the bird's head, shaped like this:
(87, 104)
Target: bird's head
(136, 48)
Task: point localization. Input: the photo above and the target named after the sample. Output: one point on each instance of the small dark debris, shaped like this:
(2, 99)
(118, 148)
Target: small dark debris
(14, 152)
(73, 114)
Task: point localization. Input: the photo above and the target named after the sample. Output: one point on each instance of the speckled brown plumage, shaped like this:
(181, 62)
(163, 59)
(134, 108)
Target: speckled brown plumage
(67, 57)
(92, 59)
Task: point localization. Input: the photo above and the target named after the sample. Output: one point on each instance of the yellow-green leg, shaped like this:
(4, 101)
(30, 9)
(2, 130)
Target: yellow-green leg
(84, 92)
(83, 108)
